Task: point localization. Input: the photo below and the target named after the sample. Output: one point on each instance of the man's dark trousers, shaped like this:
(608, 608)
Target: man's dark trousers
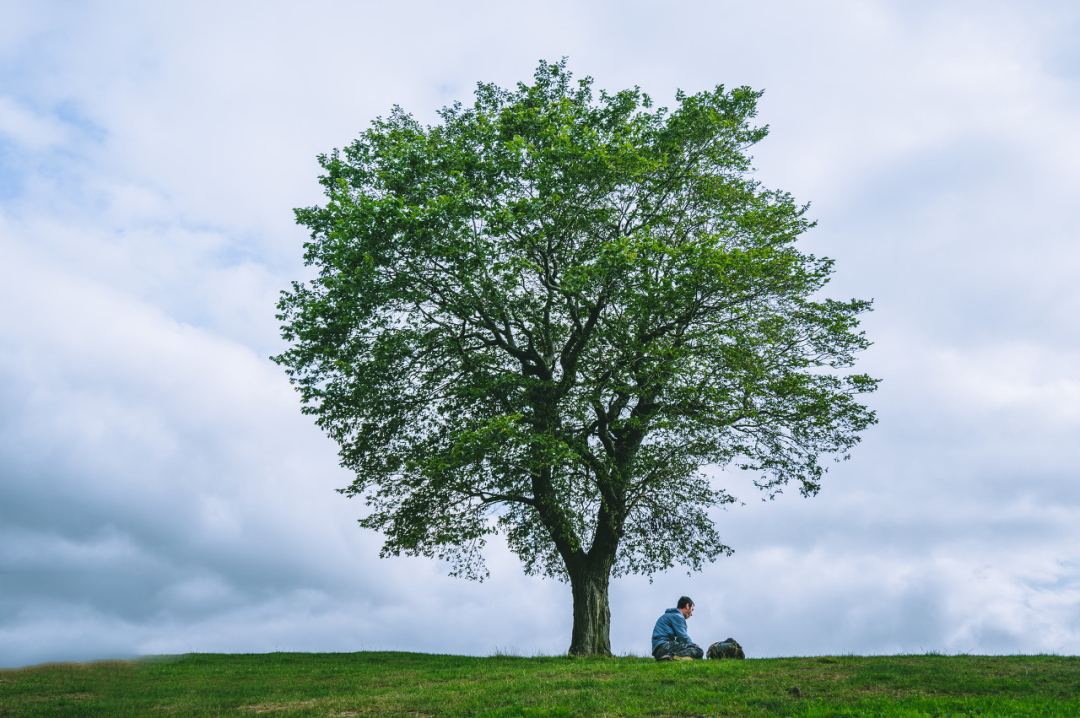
(678, 648)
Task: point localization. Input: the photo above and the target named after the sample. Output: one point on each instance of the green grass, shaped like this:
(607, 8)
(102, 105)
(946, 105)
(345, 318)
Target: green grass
(350, 684)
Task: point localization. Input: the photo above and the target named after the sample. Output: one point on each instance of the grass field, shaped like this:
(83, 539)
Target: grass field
(352, 684)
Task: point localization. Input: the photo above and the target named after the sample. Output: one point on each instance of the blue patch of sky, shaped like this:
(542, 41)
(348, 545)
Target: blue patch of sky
(69, 113)
(1062, 57)
(12, 175)
(55, 163)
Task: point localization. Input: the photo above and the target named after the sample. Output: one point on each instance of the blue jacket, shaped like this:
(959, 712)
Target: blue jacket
(670, 627)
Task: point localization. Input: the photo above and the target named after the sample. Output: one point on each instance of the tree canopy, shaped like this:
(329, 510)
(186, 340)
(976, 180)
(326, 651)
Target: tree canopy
(545, 314)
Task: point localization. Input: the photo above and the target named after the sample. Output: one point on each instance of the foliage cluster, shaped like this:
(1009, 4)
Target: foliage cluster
(544, 314)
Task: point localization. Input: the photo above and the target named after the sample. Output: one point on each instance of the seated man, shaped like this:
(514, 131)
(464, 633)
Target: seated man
(669, 639)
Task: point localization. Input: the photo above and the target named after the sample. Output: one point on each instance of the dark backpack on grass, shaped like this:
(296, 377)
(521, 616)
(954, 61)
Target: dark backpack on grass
(726, 649)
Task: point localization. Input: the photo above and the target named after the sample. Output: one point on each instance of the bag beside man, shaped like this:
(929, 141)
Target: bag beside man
(729, 648)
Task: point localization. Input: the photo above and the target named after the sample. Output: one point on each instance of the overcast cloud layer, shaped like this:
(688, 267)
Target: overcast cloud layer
(160, 491)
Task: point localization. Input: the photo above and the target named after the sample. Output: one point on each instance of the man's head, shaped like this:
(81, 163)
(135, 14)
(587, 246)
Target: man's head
(685, 606)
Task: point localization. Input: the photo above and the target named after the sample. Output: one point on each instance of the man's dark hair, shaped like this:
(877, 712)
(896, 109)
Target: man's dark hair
(684, 602)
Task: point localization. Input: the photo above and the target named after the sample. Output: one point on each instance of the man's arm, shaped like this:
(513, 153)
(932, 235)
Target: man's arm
(678, 623)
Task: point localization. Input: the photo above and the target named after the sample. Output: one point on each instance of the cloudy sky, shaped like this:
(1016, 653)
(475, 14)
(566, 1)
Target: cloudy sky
(160, 491)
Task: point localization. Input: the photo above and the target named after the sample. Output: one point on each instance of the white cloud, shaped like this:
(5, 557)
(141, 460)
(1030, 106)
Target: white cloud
(30, 130)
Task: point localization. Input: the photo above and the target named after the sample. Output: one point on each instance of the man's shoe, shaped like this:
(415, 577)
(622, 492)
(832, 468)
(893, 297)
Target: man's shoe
(682, 658)
(668, 657)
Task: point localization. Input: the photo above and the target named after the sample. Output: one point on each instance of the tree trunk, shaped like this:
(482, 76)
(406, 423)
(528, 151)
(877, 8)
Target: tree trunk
(592, 617)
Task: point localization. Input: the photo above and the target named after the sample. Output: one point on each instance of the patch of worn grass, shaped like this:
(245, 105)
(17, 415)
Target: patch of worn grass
(410, 684)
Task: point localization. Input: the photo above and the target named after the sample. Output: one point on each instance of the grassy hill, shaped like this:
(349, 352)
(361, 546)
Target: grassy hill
(353, 684)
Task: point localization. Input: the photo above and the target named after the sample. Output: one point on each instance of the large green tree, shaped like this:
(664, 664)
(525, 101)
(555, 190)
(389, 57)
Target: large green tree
(543, 315)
